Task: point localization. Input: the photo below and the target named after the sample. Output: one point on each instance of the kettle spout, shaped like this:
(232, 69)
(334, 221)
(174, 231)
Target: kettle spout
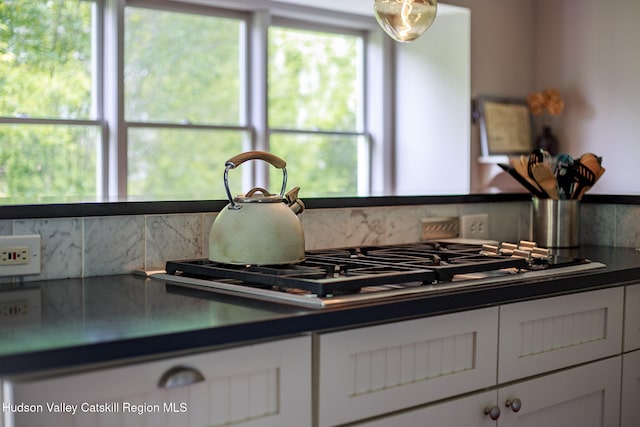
(296, 205)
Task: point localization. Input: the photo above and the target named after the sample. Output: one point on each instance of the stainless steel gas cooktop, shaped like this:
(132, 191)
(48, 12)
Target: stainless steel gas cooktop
(356, 275)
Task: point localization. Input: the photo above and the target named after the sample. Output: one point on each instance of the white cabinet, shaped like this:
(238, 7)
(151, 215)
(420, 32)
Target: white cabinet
(586, 396)
(463, 412)
(630, 416)
(267, 384)
(552, 333)
(632, 318)
(366, 373)
(380, 369)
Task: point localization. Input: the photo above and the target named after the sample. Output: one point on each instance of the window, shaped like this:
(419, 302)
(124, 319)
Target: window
(315, 107)
(183, 99)
(50, 135)
(187, 97)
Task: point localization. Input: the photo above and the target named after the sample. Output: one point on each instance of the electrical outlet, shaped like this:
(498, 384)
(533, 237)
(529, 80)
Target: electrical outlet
(439, 228)
(474, 226)
(20, 255)
(14, 256)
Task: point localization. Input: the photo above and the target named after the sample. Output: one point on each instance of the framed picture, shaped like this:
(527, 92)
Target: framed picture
(506, 126)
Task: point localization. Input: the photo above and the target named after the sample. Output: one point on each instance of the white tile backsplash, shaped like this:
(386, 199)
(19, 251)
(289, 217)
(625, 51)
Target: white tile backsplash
(6, 227)
(325, 228)
(366, 227)
(173, 237)
(61, 245)
(96, 246)
(402, 224)
(113, 245)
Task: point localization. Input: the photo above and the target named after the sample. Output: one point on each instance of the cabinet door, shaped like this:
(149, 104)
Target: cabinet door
(586, 396)
(553, 333)
(464, 412)
(631, 390)
(380, 369)
(266, 384)
(632, 318)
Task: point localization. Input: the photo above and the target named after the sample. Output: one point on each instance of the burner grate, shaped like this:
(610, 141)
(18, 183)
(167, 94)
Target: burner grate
(318, 275)
(445, 259)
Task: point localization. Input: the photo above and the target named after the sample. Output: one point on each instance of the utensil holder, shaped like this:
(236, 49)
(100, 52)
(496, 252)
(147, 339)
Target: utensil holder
(556, 223)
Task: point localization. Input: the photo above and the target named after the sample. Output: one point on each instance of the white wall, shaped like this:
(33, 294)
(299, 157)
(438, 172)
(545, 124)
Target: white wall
(589, 50)
(432, 108)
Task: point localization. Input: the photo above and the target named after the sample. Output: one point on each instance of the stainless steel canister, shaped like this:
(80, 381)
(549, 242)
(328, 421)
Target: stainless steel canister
(556, 223)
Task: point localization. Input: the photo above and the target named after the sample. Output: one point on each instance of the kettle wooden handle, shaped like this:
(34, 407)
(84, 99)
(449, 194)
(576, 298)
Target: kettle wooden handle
(239, 159)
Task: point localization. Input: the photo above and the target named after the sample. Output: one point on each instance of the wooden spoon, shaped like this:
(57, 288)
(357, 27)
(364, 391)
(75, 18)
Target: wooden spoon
(538, 155)
(520, 166)
(545, 178)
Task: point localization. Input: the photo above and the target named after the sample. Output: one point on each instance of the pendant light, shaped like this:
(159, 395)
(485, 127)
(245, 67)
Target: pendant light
(405, 20)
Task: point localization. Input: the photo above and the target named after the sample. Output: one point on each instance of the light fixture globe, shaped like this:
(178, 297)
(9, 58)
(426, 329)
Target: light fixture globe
(405, 20)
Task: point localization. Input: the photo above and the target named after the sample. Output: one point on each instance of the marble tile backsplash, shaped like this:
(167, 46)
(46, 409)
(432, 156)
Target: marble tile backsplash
(97, 246)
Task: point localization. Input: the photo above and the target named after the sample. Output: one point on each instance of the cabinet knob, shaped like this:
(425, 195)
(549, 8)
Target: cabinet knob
(493, 412)
(180, 376)
(515, 404)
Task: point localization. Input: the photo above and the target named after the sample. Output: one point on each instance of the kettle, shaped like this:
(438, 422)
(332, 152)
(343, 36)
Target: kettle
(258, 228)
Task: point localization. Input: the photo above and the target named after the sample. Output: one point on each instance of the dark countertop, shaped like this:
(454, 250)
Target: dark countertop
(114, 318)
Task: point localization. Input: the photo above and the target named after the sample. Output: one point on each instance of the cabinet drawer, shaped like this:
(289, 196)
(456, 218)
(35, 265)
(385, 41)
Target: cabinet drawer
(379, 369)
(632, 318)
(553, 333)
(266, 384)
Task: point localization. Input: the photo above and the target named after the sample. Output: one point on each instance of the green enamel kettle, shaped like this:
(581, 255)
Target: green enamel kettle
(258, 228)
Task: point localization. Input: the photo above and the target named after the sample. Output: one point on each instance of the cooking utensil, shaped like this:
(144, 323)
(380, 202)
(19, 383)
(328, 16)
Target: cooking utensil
(592, 162)
(520, 166)
(258, 227)
(565, 176)
(538, 155)
(584, 178)
(545, 178)
(587, 187)
(531, 187)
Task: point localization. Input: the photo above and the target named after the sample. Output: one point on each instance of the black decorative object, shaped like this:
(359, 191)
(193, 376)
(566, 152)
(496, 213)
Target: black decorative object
(547, 141)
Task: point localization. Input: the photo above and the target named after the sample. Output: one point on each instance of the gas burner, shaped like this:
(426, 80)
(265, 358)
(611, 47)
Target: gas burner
(334, 277)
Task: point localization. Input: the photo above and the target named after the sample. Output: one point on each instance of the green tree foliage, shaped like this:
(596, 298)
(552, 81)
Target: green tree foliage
(180, 68)
(313, 85)
(45, 72)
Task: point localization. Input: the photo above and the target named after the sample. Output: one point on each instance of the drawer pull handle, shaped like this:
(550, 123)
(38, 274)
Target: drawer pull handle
(493, 412)
(514, 404)
(180, 376)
